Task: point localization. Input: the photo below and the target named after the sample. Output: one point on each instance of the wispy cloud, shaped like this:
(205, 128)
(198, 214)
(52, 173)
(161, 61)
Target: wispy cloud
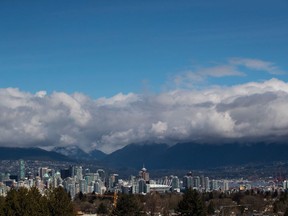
(232, 68)
(195, 76)
(256, 64)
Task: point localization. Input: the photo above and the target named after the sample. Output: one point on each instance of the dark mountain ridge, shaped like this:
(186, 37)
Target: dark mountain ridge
(14, 153)
(195, 156)
(182, 156)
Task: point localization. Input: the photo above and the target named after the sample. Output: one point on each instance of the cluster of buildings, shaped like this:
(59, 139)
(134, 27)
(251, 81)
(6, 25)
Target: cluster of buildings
(75, 179)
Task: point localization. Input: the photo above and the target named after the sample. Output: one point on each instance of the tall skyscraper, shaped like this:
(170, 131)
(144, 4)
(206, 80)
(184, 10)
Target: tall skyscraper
(144, 174)
(207, 184)
(83, 186)
(215, 185)
(113, 181)
(43, 171)
(78, 173)
(285, 184)
(188, 181)
(102, 174)
(225, 185)
(65, 173)
(202, 181)
(175, 184)
(142, 186)
(196, 182)
(21, 169)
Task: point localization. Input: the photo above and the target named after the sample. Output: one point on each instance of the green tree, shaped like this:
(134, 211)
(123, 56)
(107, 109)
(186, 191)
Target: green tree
(38, 205)
(211, 208)
(153, 203)
(102, 209)
(128, 205)
(192, 204)
(59, 203)
(24, 202)
(2, 204)
(12, 205)
(286, 212)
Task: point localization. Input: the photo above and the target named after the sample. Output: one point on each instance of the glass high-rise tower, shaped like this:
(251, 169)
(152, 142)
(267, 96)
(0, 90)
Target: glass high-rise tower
(21, 169)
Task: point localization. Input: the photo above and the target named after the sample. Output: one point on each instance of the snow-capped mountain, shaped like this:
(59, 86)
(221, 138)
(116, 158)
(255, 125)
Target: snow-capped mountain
(74, 152)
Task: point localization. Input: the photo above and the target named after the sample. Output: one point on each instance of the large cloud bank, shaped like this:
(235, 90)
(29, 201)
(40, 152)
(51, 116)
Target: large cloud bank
(249, 111)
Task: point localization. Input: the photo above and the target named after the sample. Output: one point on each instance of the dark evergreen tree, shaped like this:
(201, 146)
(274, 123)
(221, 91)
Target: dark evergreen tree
(22, 201)
(286, 212)
(38, 205)
(128, 205)
(12, 205)
(211, 208)
(59, 203)
(192, 204)
(2, 204)
(102, 209)
(81, 196)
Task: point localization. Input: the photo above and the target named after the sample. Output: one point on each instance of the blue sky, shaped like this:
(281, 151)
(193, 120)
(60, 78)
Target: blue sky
(101, 48)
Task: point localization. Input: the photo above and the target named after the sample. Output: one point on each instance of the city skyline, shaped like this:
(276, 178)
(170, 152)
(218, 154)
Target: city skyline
(102, 75)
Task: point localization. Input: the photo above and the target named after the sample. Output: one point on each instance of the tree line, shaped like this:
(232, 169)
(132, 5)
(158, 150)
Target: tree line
(57, 202)
(24, 202)
(190, 203)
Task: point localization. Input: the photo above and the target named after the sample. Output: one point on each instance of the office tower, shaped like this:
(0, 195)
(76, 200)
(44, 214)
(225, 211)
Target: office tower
(135, 188)
(285, 184)
(56, 180)
(102, 174)
(91, 177)
(196, 182)
(21, 169)
(78, 173)
(72, 190)
(43, 171)
(175, 184)
(225, 185)
(46, 180)
(113, 181)
(144, 174)
(99, 187)
(142, 186)
(202, 181)
(215, 185)
(65, 173)
(83, 186)
(207, 184)
(187, 182)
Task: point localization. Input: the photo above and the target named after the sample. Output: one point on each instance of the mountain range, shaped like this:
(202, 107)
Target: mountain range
(12, 153)
(161, 156)
(195, 156)
(76, 153)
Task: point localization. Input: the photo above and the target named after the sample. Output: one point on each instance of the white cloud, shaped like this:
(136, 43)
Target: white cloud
(118, 100)
(253, 110)
(234, 67)
(192, 77)
(159, 128)
(256, 64)
(41, 94)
